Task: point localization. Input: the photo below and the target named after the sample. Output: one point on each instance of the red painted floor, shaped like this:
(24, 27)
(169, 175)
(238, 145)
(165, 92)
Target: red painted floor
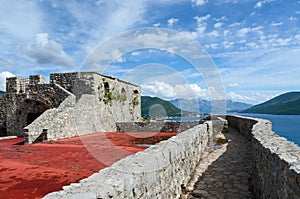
(32, 171)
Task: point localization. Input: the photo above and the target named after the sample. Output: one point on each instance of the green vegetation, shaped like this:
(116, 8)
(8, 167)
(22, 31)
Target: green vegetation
(148, 102)
(100, 86)
(285, 104)
(170, 109)
(135, 101)
(108, 97)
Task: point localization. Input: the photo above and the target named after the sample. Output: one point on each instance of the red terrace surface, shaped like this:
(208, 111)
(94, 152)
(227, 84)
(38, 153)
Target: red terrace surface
(32, 171)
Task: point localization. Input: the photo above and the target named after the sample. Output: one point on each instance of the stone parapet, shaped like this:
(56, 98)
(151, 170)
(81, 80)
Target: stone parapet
(160, 171)
(36, 79)
(156, 126)
(277, 161)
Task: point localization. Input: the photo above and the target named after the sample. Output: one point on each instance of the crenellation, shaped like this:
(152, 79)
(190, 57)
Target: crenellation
(36, 79)
(30, 99)
(16, 85)
(75, 104)
(66, 80)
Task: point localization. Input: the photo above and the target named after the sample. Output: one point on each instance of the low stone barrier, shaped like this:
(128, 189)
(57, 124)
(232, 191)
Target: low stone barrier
(156, 126)
(277, 161)
(161, 171)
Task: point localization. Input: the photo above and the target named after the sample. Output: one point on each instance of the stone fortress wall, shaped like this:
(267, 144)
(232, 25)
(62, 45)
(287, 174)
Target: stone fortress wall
(28, 99)
(277, 161)
(71, 104)
(156, 126)
(2, 109)
(162, 170)
(2, 114)
(95, 104)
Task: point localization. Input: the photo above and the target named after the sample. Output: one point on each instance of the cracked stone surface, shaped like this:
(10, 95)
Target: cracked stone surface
(229, 172)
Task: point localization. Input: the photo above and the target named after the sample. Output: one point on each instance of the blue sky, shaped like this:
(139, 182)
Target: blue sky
(254, 44)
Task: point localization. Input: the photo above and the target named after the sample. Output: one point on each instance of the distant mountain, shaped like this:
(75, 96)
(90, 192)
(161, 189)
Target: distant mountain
(232, 106)
(204, 106)
(156, 108)
(285, 104)
(2, 92)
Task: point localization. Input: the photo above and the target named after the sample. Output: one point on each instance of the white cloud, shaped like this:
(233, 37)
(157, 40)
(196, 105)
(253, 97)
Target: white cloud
(228, 44)
(218, 25)
(94, 24)
(156, 25)
(3, 76)
(252, 97)
(202, 19)
(213, 33)
(233, 85)
(201, 27)
(136, 53)
(252, 44)
(276, 23)
(212, 46)
(235, 24)
(242, 32)
(15, 16)
(282, 42)
(239, 98)
(46, 51)
(199, 2)
(258, 4)
(261, 3)
(167, 91)
(172, 21)
(265, 69)
(226, 33)
(223, 18)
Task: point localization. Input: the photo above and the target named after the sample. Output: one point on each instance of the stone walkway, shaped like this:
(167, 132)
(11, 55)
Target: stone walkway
(227, 176)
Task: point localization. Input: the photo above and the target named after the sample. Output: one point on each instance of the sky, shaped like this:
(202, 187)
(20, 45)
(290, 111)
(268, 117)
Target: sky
(254, 44)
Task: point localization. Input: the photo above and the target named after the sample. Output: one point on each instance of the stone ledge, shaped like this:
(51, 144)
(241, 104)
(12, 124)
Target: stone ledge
(158, 172)
(277, 160)
(7, 137)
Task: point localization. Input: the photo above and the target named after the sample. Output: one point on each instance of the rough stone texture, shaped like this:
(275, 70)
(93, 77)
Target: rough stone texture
(229, 175)
(2, 109)
(36, 79)
(96, 103)
(220, 126)
(276, 161)
(158, 172)
(16, 85)
(66, 80)
(3, 112)
(156, 126)
(24, 108)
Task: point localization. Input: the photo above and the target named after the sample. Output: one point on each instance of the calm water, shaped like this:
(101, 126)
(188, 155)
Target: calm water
(186, 118)
(287, 126)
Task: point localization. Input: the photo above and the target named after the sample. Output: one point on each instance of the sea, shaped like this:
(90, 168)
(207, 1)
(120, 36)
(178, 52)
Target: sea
(287, 126)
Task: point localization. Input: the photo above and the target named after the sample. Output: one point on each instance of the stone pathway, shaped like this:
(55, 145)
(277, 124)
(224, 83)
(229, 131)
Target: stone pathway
(227, 176)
